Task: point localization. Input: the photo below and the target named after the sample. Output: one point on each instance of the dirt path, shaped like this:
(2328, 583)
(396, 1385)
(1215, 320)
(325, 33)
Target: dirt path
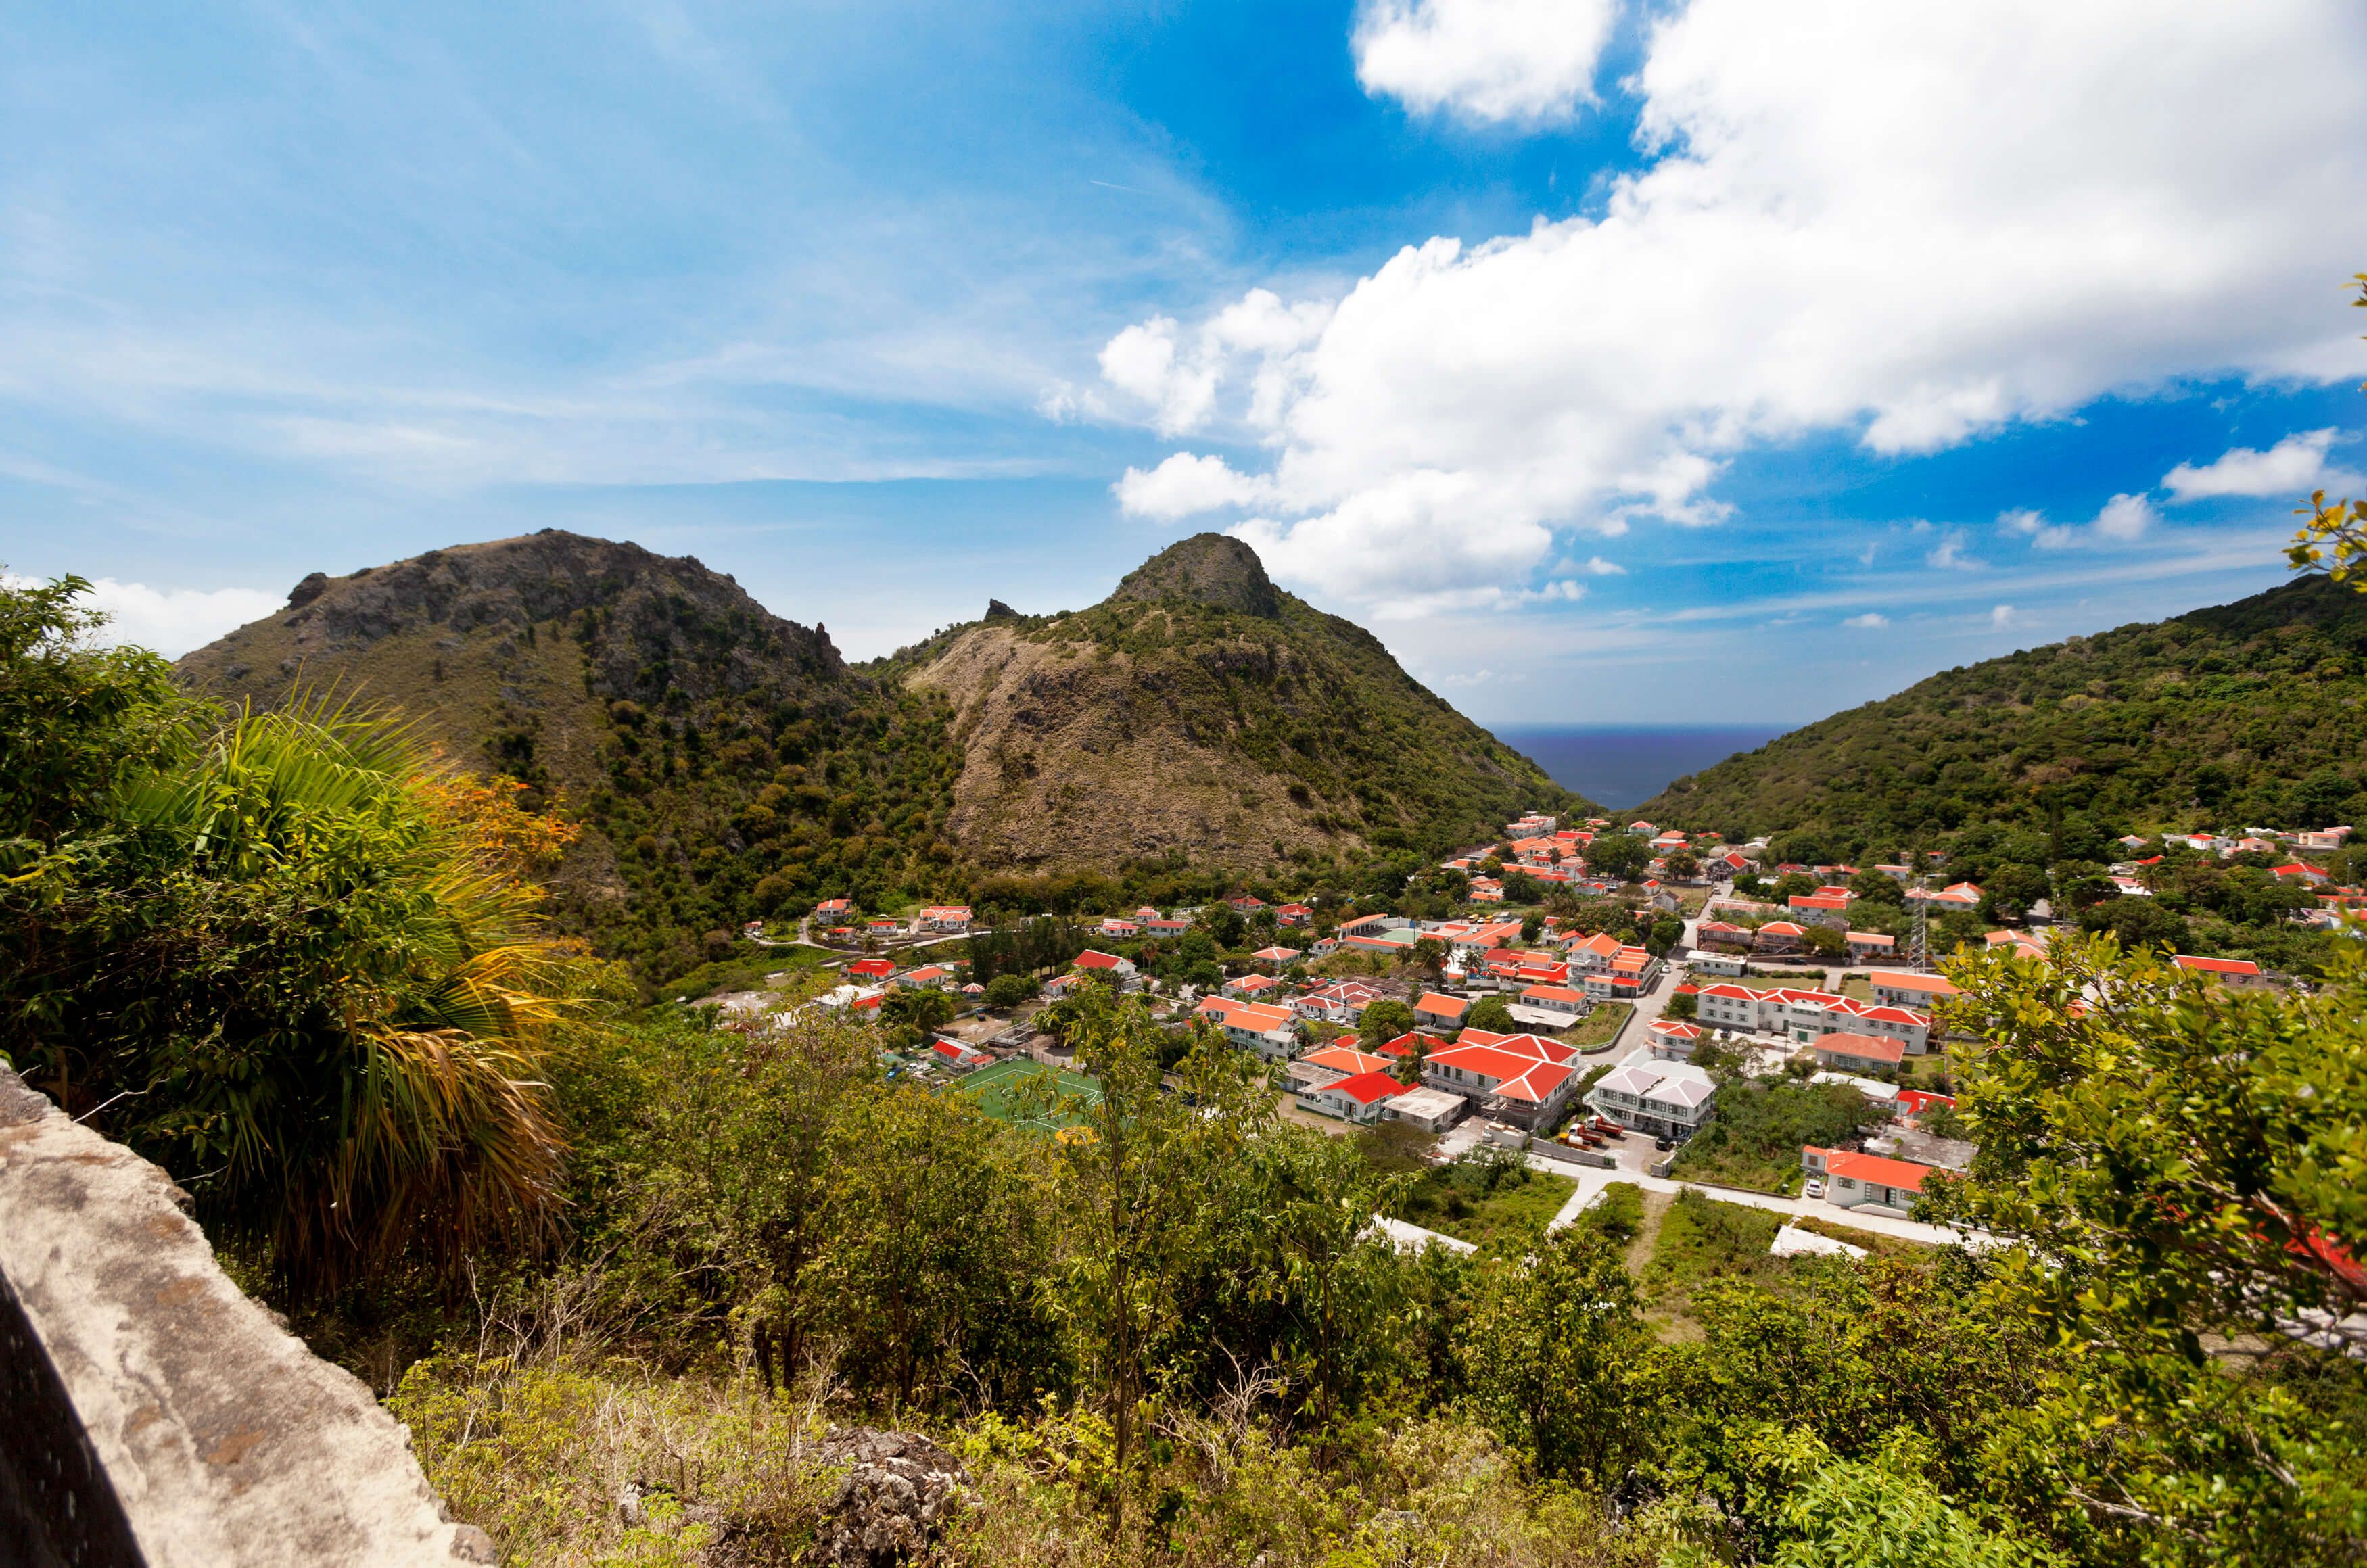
(1648, 1235)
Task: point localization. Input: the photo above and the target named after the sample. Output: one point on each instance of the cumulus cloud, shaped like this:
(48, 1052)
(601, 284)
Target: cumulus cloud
(1495, 61)
(1870, 620)
(2295, 466)
(1184, 485)
(172, 621)
(2002, 616)
(1600, 568)
(1914, 224)
(2124, 518)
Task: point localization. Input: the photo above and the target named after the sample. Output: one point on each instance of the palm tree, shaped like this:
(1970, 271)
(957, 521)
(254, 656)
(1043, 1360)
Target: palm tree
(320, 996)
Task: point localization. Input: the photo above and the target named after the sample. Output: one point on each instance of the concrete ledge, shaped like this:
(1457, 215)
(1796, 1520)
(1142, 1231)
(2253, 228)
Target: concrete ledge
(221, 1439)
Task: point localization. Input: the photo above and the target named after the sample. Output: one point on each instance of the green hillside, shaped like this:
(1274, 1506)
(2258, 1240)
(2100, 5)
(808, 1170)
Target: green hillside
(2244, 713)
(1200, 731)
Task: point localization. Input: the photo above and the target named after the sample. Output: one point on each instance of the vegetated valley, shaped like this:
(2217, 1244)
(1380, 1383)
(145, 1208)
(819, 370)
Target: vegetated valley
(648, 1283)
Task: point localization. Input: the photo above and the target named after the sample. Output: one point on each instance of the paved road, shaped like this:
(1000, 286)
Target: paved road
(1591, 1183)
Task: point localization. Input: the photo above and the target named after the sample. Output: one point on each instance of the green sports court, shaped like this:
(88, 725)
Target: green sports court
(1014, 1090)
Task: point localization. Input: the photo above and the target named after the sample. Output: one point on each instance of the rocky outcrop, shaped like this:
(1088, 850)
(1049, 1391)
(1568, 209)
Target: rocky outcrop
(150, 1413)
(900, 1491)
(1211, 570)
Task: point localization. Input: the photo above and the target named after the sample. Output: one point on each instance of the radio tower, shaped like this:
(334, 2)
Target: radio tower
(1921, 955)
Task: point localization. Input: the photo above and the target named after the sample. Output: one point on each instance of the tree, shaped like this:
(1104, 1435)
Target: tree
(1384, 1020)
(1825, 942)
(1428, 955)
(2137, 924)
(1007, 991)
(1666, 932)
(910, 1011)
(931, 1247)
(2181, 1164)
(1878, 887)
(1683, 1004)
(1552, 1339)
(2338, 528)
(1684, 864)
(1490, 1013)
(287, 967)
(1128, 1184)
(1617, 855)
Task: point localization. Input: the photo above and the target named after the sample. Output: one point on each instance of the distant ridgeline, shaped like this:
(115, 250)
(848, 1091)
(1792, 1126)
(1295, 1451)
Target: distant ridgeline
(2246, 713)
(1197, 730)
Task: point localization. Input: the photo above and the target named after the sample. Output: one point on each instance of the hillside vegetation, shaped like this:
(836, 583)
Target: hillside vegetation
(1201, 710)
(2245, 713)
(1198, 729)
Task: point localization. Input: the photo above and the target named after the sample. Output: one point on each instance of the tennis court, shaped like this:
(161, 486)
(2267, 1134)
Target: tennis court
(1017, 1090)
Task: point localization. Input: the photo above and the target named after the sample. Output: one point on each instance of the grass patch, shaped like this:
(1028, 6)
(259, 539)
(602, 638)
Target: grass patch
(1618, 1214)
(1491, 1200)
(1754, 1139)
(1703, 1239)
(1876, 1244)
(739, 973)
(1023, 1093)
(1598, 1027)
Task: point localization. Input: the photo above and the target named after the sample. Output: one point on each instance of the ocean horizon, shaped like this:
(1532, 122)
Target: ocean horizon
(1623, 765)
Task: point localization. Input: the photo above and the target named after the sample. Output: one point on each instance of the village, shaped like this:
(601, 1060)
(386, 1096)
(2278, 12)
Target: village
(1597, 997)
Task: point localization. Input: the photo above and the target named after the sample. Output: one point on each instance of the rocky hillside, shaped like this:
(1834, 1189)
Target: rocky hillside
(1200, 709)
(2244, 713)
(724, 761)
(729, 763)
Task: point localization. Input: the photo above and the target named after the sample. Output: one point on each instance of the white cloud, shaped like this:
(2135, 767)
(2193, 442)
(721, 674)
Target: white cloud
(2293, 466)
(1597, 565)
(2001, 616)
(1142, 361)
(172, 621)
(1184, 485)
(1870, 620)
(2125, 518)
(1528, 62)
(1915, 223)
(1951, 556)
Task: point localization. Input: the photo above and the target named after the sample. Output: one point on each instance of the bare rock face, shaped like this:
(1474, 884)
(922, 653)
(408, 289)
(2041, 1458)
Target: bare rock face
(900, 1490)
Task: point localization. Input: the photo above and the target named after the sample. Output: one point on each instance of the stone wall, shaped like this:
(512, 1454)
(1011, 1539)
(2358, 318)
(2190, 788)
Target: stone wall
(150, 1413)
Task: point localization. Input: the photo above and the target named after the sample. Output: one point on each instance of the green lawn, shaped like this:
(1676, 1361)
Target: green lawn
(1016, 1091)
(1503, 1205)
(1597, 1028)
(1754, 1141)
(1702, 1239)
(1618, 1214)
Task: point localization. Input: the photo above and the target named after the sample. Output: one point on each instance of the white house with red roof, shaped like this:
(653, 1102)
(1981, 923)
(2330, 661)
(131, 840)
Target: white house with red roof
(1854, 1180)
(1293, 915)
(1119, 925)
(1277, 956)
(1161, 925)
(1245, 903)
(2239, 973)
(1649, 1094)
(1955, 895)
(1804, 1015)
(1252, 988)
(1865, 947)
(1268, 1030)
(829, 909)
(1359, 1098)
(1778, 936)
(1907, 988)
(1674, 1039)
(961, 1058)
(946, 917)
(1520, 1077)
(1342, 1057)
(1434, 1009)
(884, 925)
(931, 976)
(1853, 1053)
(1830, 907)
(872, 968)
(1343, 1001)
(1559, 1000)
(2302, 871)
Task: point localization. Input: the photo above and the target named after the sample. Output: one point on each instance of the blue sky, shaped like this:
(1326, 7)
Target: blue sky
(1711, 361)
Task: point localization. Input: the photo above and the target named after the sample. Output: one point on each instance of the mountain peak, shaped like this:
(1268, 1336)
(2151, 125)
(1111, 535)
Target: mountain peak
(1213, 569)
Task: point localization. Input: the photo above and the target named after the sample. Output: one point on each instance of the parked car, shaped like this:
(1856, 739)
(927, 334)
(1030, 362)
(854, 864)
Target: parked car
(1815, 1188)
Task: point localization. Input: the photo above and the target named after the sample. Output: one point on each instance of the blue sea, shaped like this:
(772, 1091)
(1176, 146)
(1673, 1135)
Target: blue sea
(1624, 765)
